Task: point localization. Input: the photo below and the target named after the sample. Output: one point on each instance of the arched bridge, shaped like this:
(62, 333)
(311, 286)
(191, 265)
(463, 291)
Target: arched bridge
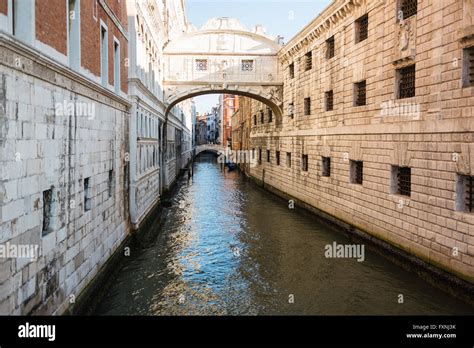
(217, 149)
(223, 57)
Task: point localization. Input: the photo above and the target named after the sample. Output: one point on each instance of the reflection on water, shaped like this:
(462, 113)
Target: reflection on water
(227, 247)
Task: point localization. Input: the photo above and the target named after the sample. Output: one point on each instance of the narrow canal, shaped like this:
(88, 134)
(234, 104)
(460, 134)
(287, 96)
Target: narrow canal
(226, 247)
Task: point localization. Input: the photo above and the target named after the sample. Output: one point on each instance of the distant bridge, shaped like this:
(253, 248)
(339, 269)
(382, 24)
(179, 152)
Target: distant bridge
(217, 149)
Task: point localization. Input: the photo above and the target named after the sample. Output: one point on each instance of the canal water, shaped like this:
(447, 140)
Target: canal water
(227, 247)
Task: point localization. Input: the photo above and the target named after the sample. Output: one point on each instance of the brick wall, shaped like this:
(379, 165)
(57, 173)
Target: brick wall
(4, 6)
(51, 24)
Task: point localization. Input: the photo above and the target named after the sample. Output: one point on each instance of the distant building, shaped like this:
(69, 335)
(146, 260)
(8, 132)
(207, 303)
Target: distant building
(230, 104)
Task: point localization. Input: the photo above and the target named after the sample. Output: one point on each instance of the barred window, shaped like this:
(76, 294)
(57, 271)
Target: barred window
(465, 193)
(270, 115)
(292, 70)
(87, 195)
(291, 110)
(288, 159)
(259, 156)
(304, 163)
(262, 117)
(307, 106)
(408, 8)
(468, 67)
(247, 65)
(268, 156)
(326, 162)
(330, 48)
(362, 28)
(254, 120)
(360, 93)
(277, 157)
(201, 64)
(47, 211)
(329, 96)
(401, 180)
(308, 61)
(406, 82)
(356, 172)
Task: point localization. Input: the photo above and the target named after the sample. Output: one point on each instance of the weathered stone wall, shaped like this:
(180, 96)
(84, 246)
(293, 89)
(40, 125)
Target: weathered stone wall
(432, 135)
(57, 130)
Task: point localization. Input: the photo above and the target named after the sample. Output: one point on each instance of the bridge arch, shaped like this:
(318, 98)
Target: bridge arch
(223, 57)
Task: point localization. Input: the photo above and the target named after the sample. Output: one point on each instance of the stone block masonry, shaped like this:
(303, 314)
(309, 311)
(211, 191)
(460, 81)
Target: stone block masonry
(386, 98)
(61, 180)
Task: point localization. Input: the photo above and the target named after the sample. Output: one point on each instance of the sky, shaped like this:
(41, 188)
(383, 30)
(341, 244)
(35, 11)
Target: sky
(279, 17)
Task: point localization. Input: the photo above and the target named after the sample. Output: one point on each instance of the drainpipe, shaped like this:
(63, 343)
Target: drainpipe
(133, 167)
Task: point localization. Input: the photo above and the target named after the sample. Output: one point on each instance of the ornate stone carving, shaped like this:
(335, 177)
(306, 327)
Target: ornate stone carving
(406, 36)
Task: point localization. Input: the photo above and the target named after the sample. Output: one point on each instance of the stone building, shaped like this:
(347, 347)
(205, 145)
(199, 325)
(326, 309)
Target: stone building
(83, 137)
(377, 127)
(64, 126)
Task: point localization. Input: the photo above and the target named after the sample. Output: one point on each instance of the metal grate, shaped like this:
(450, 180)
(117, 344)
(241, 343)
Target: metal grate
(409, 8)
(308, 61)
(201, 64)
(292, 70)
(47, 203)
(357, 172)
(406, 82)
(469, 181)
(404, 181)
(326, 166)
(291, 110)
(362, 28)
(330, 48)
(247, 65)
(360, 93)
(470, 63)
(329, 101)
(304, 163)
(307, 106)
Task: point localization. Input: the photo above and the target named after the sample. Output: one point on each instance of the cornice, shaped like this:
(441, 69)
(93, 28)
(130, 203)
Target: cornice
(336, 12)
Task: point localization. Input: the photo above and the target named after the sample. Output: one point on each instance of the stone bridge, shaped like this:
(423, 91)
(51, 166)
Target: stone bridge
(223, 57)
(217, 149)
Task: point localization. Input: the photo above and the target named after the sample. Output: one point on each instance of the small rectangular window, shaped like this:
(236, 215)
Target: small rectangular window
(277, 157)
(308, 61)
(254, 120)
(288, 159)
(291, 69)
(401, 180)
(362, 28)
(465, 193)
(406, 82)
(247, 65)
(110, 183)
(87, 195)
(104, 56)
(408, 8)
(260, 156)
(291, 110)
(268, 156)
(262, 117)
(356, 172)
(326, 162)
(304, 163)
(360, 93)
(329, 96)
(330, 48)
(116, 67)
(201, 64)
(47, 211)
(307, 106)
(468, 67)
(270, 115)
